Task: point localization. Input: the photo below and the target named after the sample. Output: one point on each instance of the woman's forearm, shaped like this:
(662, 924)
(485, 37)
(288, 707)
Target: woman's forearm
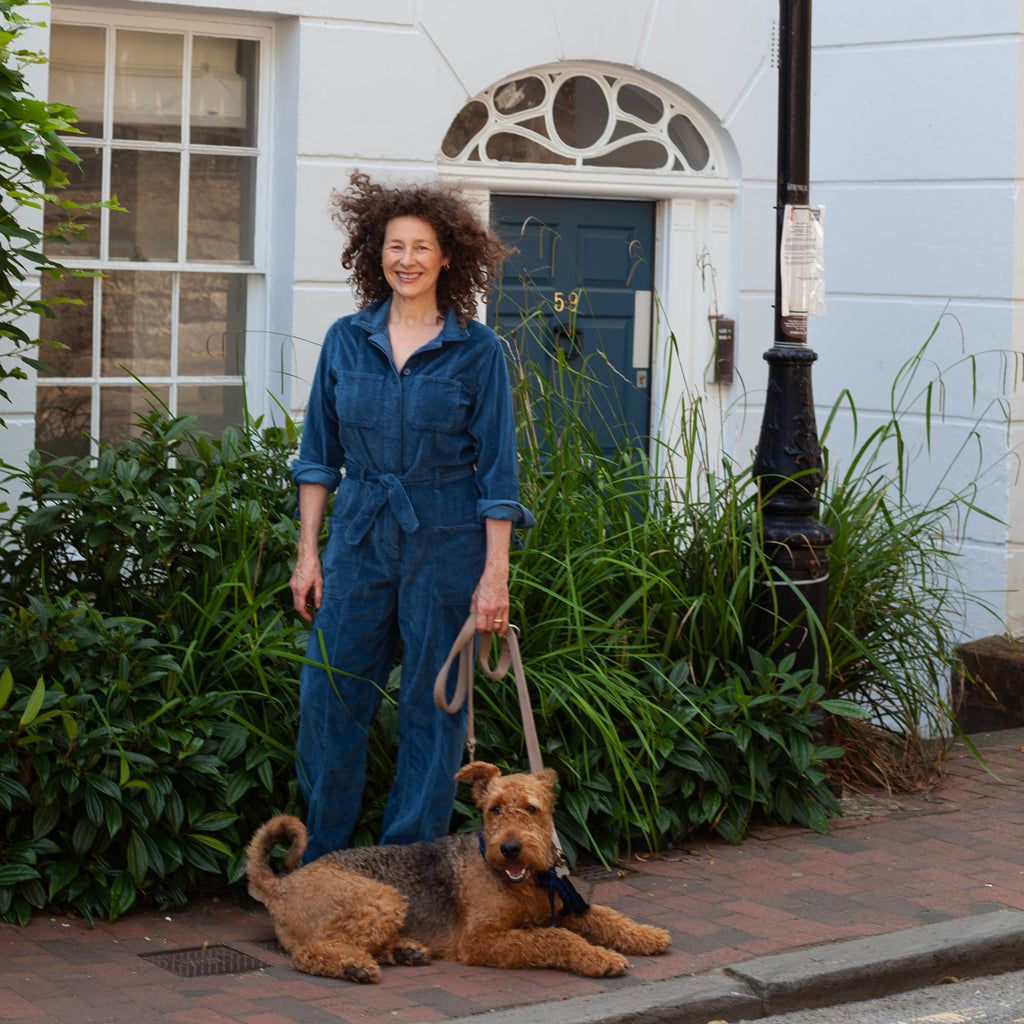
(307, 583)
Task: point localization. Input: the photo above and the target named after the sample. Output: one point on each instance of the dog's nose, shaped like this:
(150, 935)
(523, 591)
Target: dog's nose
(511, 849)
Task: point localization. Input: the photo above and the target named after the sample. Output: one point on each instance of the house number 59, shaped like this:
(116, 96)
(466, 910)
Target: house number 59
(569, 302)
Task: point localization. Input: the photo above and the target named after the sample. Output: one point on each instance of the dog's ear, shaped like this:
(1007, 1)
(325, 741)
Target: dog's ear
(481, 775)
(546, 776)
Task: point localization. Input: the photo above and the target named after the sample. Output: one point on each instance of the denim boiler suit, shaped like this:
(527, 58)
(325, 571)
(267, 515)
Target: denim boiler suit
(428, 454)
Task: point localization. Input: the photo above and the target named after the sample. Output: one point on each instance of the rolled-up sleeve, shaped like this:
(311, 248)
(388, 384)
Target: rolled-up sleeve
(493, 428)
(321, 455)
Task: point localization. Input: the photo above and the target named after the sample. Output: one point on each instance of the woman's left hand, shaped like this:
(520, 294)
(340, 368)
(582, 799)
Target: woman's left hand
(490, 599)
(490, 602)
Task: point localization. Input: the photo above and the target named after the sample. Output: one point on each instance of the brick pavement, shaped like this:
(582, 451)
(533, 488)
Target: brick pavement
(910, 861)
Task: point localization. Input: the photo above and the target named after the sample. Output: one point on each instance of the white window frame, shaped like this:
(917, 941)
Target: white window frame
(609, 81)
(253, 378)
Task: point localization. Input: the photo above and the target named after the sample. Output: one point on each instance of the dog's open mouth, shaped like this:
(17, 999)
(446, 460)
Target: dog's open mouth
(517, 871)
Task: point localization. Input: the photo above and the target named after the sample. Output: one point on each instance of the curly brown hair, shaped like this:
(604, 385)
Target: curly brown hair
(473, 250)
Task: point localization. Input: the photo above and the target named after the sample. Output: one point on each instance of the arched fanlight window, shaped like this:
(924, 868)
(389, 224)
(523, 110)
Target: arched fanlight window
(579, 118)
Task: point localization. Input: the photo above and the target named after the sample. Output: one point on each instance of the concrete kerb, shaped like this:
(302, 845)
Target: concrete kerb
(882, 964)
(828, 975)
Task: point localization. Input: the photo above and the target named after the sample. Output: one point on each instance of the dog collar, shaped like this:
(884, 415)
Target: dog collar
(556, 884)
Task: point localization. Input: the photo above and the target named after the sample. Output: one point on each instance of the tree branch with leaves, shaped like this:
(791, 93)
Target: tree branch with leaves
(33, 161)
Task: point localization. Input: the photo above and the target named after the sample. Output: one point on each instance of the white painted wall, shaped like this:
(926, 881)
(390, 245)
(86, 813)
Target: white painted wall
(914, 152)
(915, 155)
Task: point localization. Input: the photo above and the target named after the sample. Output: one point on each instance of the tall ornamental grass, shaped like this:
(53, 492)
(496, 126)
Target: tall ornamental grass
(897, 603)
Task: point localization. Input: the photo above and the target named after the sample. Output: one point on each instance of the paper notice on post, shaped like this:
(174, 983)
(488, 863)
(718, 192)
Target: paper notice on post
(802, 261)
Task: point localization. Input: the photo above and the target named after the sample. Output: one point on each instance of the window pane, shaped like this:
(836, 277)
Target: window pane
(519, 150)
(77, 61)
(72, 326)
(148, 86)
(218, 406)
(470, 120)
(62, 421)
(211, 325)
(623, 130)
(136, 324)
(691, 143)
(146, 185)
(84, 184)
(647, 154)
(220, 208)
(522, 94)
(580, 112)
(223, 106)
(641, 103)
(119, 406)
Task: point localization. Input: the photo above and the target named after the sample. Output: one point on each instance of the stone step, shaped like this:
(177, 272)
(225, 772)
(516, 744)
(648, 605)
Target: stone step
(989, 693)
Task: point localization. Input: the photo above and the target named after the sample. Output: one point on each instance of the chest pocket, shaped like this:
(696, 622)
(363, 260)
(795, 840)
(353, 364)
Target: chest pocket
(437, 403)
(358, 398)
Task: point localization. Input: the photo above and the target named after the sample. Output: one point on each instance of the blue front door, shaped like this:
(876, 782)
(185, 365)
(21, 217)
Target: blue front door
(576, 298)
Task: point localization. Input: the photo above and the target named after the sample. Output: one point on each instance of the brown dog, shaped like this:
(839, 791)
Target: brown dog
(482, 900)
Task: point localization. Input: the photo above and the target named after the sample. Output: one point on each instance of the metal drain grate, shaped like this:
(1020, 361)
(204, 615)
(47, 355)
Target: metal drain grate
(204, 961)
(599, 873)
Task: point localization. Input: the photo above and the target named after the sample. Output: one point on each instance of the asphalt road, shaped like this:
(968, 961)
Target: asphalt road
(998, 999)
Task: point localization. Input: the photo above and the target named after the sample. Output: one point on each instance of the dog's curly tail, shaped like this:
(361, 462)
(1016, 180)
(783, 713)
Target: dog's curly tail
(263, 881)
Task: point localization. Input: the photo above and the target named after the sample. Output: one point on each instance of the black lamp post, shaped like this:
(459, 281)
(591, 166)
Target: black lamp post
(788, 462)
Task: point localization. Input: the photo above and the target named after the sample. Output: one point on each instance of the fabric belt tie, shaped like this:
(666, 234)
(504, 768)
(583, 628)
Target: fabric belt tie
(388, 490)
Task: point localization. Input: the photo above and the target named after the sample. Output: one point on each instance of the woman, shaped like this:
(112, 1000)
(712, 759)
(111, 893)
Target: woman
(411, 399)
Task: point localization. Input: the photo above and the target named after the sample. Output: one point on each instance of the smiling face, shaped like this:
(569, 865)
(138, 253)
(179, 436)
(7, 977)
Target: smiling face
(412, 258)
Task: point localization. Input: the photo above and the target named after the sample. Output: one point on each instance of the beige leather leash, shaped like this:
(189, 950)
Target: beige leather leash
(508, 656)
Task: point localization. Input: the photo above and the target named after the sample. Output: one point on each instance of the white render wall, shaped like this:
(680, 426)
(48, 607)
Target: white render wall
(914, 152)
(408, 72)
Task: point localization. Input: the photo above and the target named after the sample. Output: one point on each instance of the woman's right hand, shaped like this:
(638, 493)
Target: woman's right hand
(307, 585)
(307, 580)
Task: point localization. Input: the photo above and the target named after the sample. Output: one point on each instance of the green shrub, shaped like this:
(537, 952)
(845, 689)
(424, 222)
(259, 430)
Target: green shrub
(896, 599)
(150, 656)
(111, 788)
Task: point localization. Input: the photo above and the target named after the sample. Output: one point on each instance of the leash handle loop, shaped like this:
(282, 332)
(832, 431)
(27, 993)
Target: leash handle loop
(508, 657)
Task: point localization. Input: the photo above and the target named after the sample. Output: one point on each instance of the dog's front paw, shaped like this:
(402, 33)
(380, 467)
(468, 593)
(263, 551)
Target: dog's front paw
(360, 975)
(602, 963)
(643, 940)
(412, 955)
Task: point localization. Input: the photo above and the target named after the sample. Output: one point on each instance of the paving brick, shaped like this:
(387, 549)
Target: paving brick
(953, 854)
(202, 1015)
(291, 1009)
(13, 1005)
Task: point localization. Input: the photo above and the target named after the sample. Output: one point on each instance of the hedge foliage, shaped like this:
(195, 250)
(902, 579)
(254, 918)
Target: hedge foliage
(150, 657)
(149, 654)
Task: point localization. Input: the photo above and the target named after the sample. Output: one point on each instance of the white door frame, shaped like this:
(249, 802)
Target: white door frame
(695, 222)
